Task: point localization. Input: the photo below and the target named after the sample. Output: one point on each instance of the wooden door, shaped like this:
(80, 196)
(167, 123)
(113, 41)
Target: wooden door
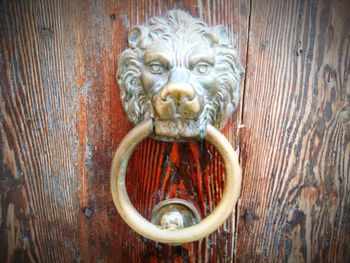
(61, 121)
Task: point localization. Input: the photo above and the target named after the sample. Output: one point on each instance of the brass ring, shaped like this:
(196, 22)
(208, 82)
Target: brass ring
(174, 236)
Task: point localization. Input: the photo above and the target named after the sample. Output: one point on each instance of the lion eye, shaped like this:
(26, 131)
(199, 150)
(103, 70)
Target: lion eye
(156, 68)
(202, 68)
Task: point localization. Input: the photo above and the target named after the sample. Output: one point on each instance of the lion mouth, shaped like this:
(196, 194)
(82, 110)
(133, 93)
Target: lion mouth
(179, 128)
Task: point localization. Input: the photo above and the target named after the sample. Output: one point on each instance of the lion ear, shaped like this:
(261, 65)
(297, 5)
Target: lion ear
(136, 35)
(220, 35)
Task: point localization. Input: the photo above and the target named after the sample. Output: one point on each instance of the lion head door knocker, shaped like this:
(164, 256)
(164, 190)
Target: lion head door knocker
(179, 80)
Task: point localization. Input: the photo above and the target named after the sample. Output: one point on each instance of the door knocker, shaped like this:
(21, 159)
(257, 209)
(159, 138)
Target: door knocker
(179, 80)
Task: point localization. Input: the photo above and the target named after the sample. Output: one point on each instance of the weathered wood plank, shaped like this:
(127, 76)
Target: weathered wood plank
(37, 138)
(61, 120)
(296, 145)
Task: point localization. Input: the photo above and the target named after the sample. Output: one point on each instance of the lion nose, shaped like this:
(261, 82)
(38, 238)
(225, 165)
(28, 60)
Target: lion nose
(178, 99)
(178, 92)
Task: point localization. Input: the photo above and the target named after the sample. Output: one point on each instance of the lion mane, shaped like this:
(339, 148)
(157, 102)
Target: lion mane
(172, 28)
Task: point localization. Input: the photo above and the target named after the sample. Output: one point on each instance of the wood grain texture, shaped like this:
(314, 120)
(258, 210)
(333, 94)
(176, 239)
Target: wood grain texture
(296, 144)
(61, 121)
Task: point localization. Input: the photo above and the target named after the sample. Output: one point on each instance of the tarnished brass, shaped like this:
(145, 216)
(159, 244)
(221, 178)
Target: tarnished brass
(180, 72)
(179, 80)
(175, 214)
(174, 236)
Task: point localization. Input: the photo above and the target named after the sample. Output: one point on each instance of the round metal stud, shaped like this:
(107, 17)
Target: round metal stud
(175, 214)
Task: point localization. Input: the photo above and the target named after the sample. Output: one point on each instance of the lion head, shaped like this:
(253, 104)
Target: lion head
(180, 72)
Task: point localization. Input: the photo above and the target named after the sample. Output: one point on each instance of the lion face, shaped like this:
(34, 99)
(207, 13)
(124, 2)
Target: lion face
(181, 73)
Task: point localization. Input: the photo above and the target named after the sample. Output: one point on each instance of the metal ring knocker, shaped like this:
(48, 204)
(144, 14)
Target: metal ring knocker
(189, 234)
(188, 89)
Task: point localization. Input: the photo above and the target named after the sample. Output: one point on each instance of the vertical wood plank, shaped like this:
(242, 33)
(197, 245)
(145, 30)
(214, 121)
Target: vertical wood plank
(37, 134)
(296, 151)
